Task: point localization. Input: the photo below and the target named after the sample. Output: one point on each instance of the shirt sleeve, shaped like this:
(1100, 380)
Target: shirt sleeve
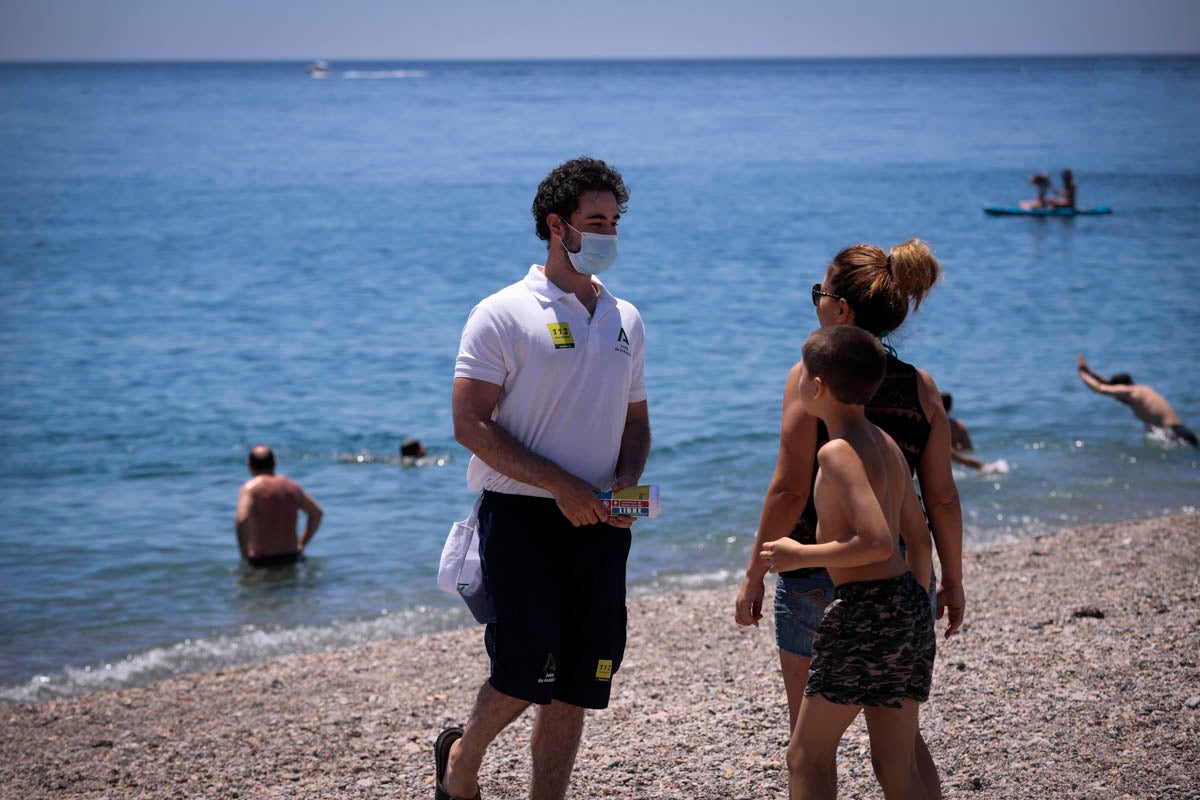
(482, 351)
(637, 384)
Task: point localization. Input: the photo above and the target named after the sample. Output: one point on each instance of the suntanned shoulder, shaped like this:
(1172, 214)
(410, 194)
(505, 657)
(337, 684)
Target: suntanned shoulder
(930, 396)
(835, 451)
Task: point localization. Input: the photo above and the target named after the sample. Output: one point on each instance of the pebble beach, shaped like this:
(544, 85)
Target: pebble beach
(1076, 675)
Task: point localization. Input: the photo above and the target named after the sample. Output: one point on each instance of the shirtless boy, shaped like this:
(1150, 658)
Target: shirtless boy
(874, 650)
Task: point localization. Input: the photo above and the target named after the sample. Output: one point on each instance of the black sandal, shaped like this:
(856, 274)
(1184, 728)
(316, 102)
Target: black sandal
(441, 758)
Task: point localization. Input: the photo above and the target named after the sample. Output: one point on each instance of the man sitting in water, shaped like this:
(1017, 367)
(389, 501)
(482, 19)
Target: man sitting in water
(1147, 405)
(266, 514)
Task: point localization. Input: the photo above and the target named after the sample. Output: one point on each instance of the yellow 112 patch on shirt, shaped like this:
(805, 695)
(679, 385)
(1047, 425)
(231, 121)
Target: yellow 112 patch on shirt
(560, 333)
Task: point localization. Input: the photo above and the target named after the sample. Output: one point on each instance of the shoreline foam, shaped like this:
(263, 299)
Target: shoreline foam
(1038, 697)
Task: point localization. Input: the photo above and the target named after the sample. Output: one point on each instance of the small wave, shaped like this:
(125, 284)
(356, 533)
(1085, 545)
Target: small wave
(383, 74)
(679, 582)
(367, 457)
(249, 646)
(1163, 437)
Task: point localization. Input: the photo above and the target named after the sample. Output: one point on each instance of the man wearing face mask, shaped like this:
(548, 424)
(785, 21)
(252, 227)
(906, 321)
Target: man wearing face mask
(550, 398)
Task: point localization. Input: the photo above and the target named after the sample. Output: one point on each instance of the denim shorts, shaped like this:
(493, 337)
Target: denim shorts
(800, 603)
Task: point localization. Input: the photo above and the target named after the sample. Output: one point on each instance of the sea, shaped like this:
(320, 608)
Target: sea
(196, 258)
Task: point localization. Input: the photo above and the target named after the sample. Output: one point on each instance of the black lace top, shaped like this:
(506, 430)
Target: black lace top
(896, 408)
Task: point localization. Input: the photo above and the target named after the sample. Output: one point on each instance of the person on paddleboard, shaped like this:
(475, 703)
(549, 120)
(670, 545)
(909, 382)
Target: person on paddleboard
(1041, 182)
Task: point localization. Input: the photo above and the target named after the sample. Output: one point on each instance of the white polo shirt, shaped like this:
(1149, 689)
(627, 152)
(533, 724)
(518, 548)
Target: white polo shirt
(568, 378)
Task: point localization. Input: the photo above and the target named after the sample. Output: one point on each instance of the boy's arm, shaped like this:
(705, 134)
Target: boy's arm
(866, 539)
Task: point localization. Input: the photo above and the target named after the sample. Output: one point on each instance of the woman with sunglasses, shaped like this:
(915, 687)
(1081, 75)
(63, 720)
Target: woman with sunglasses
(867, 287)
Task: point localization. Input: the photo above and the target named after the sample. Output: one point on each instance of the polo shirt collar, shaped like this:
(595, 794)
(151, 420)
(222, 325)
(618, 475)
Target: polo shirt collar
(548, 292)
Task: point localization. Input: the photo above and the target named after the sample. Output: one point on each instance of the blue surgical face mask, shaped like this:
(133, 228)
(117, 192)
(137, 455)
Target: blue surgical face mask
(597, 252)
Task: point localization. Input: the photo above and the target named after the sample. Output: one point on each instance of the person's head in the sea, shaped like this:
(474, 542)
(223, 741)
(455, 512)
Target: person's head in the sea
(947, 401)
(1121, 379)
(412, 448)
(261, 460)
(1040, 180)
(1067, 178)
(867, 287)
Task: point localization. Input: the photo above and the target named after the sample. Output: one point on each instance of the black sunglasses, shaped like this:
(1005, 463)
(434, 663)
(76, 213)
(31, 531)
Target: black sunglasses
(818, 293)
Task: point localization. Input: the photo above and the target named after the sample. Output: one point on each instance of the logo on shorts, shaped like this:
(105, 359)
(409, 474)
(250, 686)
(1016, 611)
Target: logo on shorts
(604, 669)
(549, 670)
(560, 334)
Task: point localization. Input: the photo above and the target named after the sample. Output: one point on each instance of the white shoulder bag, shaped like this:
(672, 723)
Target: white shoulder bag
(460, 572)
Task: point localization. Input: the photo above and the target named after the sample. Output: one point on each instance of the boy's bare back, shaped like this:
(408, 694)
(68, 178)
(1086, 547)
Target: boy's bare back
(864, 486)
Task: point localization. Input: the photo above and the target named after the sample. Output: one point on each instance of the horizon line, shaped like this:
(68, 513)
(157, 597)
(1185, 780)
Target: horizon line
(592, 59)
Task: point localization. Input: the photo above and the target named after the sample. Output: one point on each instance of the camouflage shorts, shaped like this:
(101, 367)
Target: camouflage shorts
(875, 646)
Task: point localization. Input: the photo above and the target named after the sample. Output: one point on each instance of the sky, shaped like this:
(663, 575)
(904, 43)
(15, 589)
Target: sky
(400, 30)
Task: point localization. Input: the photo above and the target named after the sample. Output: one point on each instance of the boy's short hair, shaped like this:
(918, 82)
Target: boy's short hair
(848, 359)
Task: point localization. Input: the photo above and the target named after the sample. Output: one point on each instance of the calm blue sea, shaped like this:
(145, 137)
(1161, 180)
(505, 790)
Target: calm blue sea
(197, 258)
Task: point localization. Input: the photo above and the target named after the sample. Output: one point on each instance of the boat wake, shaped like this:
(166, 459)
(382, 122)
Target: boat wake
(385, 74)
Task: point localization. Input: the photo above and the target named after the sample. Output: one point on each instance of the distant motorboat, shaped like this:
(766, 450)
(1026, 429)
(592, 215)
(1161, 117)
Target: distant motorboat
(319, 69)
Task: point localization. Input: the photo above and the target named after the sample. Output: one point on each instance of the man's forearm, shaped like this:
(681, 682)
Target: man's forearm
(242, 528)
(635, 449)
(310, 528)
(501, 451)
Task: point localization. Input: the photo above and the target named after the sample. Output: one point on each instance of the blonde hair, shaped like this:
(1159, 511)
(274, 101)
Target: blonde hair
(879, 287)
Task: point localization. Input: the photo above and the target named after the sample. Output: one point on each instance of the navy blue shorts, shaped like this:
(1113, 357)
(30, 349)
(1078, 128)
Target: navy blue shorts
(559, 593)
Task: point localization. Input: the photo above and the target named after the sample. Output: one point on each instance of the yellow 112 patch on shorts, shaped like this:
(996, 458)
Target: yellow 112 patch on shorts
(604, 669)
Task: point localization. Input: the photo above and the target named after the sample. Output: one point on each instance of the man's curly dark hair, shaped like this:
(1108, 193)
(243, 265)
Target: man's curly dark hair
(559, 192)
